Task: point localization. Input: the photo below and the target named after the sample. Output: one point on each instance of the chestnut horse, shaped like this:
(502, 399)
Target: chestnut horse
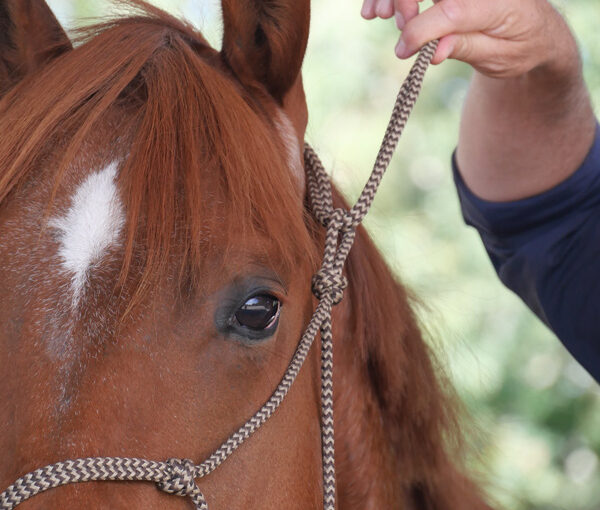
(156, 253)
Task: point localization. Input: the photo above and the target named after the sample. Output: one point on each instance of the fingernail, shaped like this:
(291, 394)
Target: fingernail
(399, 20)
(400, 48)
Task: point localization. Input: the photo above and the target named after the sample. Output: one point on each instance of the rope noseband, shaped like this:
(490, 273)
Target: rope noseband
(178, 476)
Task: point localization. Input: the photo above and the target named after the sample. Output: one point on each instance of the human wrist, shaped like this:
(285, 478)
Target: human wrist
(561, 61)
(551, 86)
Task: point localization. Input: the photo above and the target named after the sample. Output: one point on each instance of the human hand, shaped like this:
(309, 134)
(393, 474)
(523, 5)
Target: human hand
(499, 38)
(404, 10)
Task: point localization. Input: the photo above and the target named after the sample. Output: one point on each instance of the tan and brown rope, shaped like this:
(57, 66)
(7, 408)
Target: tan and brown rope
(178, 476)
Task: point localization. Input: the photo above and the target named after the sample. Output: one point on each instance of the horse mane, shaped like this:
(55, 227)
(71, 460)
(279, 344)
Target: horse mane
(188, 137)
(409, 404)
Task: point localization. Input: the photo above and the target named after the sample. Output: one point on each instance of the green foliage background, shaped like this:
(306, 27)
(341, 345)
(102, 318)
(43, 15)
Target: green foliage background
(537, 410)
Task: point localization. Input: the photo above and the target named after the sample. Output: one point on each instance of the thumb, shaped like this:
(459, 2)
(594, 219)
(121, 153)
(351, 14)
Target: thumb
(469, 48)
(472, 48)
(491, 56)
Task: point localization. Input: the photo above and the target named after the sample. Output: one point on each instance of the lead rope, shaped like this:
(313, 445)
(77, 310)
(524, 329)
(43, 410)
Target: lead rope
(178, 476)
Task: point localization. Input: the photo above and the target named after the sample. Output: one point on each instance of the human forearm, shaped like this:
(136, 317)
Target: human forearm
(527, 122)
(522, 135)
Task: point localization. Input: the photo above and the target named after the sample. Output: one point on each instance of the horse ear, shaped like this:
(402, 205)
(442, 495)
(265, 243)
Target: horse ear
(30, 36)
(265, 41)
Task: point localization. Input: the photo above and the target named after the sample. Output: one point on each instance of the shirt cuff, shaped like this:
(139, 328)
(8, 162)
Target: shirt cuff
(579, 191)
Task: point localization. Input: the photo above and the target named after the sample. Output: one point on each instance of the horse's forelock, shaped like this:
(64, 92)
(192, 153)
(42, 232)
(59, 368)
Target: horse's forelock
(201, 166)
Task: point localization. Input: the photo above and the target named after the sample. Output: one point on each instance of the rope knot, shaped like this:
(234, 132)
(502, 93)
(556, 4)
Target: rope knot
(329, 283)
(342, 220)
(180, 482)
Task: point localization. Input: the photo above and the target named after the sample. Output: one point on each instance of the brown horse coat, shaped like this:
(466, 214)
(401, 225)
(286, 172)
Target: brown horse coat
(148, 185)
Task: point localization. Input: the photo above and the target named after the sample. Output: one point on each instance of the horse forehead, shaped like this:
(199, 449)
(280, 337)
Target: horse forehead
(47, 258)
(49, 255)
(89, 227)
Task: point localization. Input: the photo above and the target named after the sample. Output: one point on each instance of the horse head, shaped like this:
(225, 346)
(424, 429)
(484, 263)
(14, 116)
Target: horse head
(156, 253)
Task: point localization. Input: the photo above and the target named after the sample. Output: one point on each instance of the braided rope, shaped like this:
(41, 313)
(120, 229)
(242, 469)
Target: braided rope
(178, 476)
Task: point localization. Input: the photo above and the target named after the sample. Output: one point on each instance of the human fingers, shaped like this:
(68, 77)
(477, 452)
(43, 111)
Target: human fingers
(384, 8)
(368, 9)
(377, 8)
(444, 18)
(405, 11)
(470, 47)
(492, 57)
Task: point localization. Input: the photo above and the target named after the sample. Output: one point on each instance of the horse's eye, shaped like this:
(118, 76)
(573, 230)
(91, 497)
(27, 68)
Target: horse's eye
(259, 313)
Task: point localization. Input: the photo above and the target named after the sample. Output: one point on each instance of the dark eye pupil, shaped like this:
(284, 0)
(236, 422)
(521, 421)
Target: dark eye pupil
(259, 312)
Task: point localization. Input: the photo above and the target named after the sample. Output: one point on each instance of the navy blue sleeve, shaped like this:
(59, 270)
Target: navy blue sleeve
(547, 250)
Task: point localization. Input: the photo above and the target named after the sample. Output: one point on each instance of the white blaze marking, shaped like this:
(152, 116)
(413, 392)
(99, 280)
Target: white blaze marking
(92, 224)
(290, 141)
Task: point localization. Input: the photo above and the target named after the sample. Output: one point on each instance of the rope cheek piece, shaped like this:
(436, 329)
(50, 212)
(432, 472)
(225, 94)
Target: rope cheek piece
(178, 476)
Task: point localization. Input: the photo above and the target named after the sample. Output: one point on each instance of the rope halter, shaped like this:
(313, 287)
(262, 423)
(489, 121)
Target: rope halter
(178, 476)
(182, 478)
